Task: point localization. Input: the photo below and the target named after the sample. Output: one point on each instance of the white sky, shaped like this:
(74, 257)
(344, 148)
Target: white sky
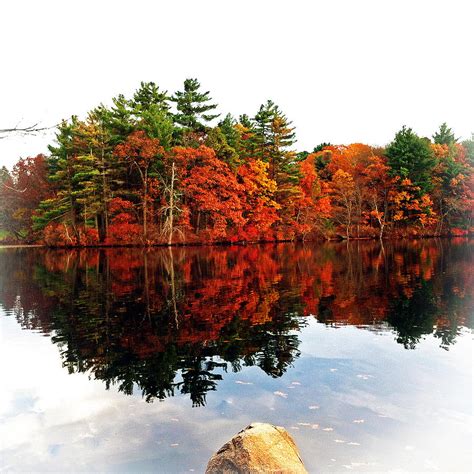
(342, 70)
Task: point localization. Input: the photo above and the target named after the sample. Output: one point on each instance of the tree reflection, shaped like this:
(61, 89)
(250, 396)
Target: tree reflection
(169, 321)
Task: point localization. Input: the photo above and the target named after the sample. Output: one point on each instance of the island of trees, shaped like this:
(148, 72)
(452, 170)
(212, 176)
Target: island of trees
(151, 170)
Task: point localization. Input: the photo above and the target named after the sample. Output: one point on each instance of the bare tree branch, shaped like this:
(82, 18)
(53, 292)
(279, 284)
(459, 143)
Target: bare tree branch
(31, 129)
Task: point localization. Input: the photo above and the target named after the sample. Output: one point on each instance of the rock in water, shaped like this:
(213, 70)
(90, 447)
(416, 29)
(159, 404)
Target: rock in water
(259, 448)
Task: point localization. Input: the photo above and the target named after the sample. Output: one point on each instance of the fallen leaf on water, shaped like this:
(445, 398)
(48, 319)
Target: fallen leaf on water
(365, 376)
(281, 394)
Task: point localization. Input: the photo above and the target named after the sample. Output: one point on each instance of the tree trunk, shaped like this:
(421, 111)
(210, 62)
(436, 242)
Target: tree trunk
(170, 236)
(145, 200)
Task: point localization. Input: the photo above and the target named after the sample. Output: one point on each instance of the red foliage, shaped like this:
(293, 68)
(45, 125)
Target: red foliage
(210, 191)
(123, 228)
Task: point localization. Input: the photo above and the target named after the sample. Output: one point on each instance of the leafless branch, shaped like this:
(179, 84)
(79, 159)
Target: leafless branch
(30, 129)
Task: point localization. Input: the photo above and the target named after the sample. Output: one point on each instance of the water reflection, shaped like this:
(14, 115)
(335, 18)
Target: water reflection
(175, 320)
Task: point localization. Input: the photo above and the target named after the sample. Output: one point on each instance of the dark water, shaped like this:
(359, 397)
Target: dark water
(132, 360)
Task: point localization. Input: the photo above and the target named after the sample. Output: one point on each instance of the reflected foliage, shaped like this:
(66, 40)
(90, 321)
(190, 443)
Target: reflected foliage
(169, 321)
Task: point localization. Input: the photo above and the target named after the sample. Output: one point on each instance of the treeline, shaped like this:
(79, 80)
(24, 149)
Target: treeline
(150, 169)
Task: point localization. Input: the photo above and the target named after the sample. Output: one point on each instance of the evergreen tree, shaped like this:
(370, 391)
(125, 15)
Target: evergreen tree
(444, 136)
(158, 124)
(6, 183)
(151, 112)
(217, 141)
(147, 96)
(193, 107)
(63, 207)
(107, 173)
(246, 143)
(262, 126)
(274, 137)
(469, 146)
(228, 128)
(410, 157)
(118, 120)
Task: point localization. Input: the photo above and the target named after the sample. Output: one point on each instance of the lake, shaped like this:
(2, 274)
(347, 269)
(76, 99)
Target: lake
(149, 360)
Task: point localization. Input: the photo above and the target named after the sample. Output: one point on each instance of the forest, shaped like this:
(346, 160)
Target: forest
(153, 169)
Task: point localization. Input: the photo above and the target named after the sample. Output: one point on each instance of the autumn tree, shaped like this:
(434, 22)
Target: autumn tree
(210, 192)
(379, 192)
(344, 199)
(313, 208)
(140, 151)
(259, 207)
(353, 159)
(410, 206)
(23, 189)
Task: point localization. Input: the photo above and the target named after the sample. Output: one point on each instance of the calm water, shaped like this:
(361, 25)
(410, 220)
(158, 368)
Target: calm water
(132, 360)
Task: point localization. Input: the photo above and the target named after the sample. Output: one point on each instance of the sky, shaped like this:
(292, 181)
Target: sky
(343, 71)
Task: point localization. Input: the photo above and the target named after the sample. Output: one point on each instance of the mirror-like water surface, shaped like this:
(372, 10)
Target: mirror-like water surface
(151, 360)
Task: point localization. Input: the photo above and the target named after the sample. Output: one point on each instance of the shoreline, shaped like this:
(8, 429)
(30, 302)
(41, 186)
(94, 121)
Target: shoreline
(231, 244)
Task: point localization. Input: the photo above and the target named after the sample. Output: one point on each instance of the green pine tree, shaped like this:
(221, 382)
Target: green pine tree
(193, 107)
(147, 96)
(410, 156)
(444, 136)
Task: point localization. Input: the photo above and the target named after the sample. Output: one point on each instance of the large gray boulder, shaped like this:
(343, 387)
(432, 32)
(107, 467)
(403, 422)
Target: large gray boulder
(259, 448)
